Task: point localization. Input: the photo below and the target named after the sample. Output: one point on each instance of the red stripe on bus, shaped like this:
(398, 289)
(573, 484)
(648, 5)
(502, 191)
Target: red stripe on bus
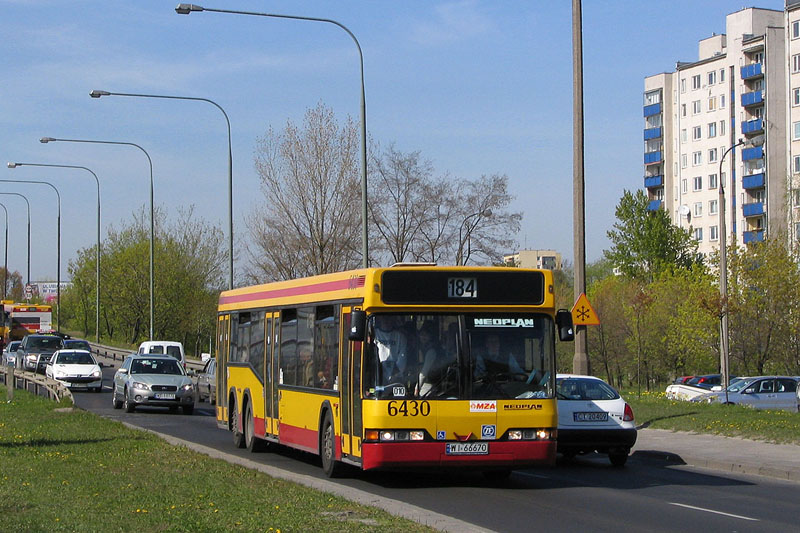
(301, 438)
(501, 454)
(327, 286)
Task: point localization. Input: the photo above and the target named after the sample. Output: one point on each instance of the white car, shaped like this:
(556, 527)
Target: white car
(761, 392)
(173, 348)
(593, 417)
(10, 353)
(77, 369)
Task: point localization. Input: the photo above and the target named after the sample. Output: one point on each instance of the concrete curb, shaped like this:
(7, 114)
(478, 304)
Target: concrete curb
(411, 512)
(736, 467)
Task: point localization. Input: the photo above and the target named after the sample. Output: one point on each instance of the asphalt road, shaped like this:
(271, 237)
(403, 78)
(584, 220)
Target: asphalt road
(585, 495)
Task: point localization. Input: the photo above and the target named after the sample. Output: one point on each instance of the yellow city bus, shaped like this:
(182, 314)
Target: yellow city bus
(394, 368)
(20, 319)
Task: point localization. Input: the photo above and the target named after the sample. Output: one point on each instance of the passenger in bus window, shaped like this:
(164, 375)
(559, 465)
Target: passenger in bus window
(491, 361)
(392, 347)
(306, 365)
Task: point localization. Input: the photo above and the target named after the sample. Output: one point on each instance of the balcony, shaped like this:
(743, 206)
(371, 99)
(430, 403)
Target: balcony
(652, 109)
(753, 126)
(753, 181)
(753, 98)
(754, 209)
(652, 157)
(753, 236)
(653, 181)
(654, 205)
(652, 133)
(756, 152)
(752, 71)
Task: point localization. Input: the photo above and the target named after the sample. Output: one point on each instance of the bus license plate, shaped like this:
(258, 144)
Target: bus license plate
(467, 448)
(590, 417)
(165, 396)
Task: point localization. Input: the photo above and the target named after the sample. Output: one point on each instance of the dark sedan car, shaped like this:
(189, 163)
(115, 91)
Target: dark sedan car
(207, 382)
(36, 350)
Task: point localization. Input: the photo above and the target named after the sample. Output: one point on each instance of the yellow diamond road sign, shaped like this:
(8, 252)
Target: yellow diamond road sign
(583, 314)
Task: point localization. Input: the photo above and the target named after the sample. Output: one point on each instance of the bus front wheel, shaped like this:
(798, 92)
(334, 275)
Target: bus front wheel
(330, 465)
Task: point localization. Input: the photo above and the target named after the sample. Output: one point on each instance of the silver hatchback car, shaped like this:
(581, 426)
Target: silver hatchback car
(152, 380)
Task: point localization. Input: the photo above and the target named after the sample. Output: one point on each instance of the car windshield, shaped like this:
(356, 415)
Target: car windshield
(44, 343)
(156, 366)
(77, 345)
(740, 385)
(14, 346)
(75, 358)
(584, 389)
(459, 356)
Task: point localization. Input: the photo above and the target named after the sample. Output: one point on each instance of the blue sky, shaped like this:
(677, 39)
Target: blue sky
(477, 86)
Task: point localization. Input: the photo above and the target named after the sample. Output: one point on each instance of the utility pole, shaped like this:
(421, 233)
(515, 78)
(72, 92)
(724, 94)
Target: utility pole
(580, 363)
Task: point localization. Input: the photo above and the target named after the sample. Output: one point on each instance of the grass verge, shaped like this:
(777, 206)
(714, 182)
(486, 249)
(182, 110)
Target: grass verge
(64, 469)
(654, 410)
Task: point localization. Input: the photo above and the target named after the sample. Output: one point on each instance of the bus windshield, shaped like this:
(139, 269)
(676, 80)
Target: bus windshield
(459, 356)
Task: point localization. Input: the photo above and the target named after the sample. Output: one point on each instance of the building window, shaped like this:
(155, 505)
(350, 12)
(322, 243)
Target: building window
(683, 85)
(712, 103)
(722, 101)
(683, 135)
(697, 158)
(683, 186)
(722, 127)
(712, 207)
(684, 159)
(796, 63)
(795, 197)
(698, 209)
(698, 234)
(713, 233)
(712, 155)
(795, 29)
(795, 131)
(797, 231)
(796, 165)
(712, 181)
(697, 183)
(697, 133)
(721, 75)
(695, 82)
(696, 107)
(712, 130)
(712, 77)
(795, 97)
(683, 110)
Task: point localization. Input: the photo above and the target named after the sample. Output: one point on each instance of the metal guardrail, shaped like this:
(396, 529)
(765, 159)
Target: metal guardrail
(35, 383)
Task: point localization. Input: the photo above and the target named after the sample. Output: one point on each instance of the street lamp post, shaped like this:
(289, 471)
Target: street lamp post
(5, 257)
(185, 9)
(98, 94)
(46, 140)
(97, 263)
(58, 232)
(29, 230)
(460, 259)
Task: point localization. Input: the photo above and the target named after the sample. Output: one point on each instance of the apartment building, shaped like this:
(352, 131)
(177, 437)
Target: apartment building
(724, 120)
(549, 259)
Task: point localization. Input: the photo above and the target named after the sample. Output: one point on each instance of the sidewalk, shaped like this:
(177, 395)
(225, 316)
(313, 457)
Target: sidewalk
(721, 453)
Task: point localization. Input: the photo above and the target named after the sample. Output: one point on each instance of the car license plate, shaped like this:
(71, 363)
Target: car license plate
(165, 396)
(466, 448)
(590, 417)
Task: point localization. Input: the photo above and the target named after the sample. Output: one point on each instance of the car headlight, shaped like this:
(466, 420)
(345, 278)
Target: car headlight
(96, 374)
(31, 357)
(187, 388)
(140, 385)
(59, 373)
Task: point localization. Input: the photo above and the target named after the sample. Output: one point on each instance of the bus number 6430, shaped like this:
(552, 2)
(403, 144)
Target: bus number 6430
(409, 408)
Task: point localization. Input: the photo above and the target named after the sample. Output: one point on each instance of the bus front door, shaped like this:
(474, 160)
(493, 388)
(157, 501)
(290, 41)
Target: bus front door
(349, 381)
(223, 347)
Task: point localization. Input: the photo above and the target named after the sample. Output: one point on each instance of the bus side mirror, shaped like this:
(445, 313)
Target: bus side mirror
(358, 325)
(566, 331)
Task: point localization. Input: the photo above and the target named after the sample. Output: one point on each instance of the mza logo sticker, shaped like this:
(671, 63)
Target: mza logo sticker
(488, 431)
(485, 406)
(441, 435)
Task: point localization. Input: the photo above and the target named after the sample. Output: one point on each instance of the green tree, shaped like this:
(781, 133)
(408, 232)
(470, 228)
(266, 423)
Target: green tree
(645, 242)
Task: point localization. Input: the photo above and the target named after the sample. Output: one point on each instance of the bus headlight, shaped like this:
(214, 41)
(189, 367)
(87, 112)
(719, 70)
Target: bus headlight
(531, 434)
(394, 435)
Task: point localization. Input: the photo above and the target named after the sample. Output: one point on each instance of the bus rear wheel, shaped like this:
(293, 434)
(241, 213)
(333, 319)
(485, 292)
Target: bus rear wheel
(238, 437)
(251, 442)
(330, 466)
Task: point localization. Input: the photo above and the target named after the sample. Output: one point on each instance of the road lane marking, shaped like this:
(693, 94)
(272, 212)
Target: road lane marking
(715, 512)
